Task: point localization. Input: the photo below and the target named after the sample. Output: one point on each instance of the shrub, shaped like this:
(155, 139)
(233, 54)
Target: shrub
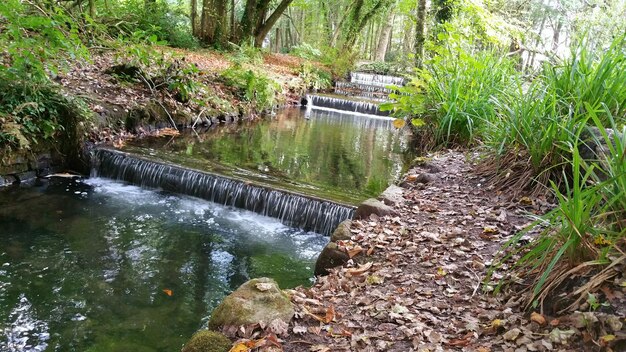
(306, 51)
(254, 87)
(314, 78)
(585, 235)
(453, 94)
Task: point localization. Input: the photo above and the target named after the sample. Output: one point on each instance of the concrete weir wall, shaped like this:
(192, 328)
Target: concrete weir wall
(19, 169)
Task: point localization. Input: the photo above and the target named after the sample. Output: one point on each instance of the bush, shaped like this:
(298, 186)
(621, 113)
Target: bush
(536, 126)
(306, 51)
(585, 234)
(314, 78)
(254, 87)
(453, 94)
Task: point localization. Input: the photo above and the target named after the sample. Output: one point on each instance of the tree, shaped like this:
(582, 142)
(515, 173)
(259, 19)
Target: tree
(420, 36)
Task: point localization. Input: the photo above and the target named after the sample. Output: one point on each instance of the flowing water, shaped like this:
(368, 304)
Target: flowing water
(101, 265)
(90, 266)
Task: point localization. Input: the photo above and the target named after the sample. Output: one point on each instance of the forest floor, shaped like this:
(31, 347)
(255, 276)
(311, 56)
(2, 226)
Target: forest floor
(419, 284)
(111, 98)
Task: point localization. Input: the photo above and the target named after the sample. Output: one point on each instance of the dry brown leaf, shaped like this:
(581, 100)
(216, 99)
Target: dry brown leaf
(360, 270)
(538, 318)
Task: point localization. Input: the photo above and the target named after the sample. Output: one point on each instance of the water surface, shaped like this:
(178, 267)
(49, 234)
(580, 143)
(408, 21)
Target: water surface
(342, 157)
(90, 266)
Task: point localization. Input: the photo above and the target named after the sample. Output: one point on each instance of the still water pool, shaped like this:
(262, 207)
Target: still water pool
(99, 265)
(333, 155)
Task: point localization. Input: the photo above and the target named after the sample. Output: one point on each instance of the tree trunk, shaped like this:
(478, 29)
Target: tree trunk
(420, 33)
(194, 17)
(214, 22)
(385, 36)
(264, 27)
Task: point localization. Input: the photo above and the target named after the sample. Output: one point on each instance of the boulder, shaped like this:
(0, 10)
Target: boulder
(207, 341)
(330, 257)
(342, 232)
(258, 300)
(392, 196)
(373, 206)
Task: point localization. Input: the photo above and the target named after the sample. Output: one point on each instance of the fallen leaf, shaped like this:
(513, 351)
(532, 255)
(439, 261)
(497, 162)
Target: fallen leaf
(512, 334)
(354, 251)
(360, 270)
(264, 286)
(168, 292)
(330, 314)
(526, 201)
(538, 318)
(239, 347)
(561, 336)
(606, 340)
(299, 329)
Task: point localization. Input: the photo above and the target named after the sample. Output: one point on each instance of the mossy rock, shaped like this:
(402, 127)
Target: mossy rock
(258, 300)
(342, 232)
(207, 341)
(330, 257)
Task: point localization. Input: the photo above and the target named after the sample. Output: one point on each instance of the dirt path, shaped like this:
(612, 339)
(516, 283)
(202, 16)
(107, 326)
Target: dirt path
(423, 289)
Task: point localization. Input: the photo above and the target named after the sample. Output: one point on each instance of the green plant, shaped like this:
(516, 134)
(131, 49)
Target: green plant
(36, 44)
(314, 78)
(246, 53)
(585, 234)
(454, 94)
(306, 51)
(254, 87)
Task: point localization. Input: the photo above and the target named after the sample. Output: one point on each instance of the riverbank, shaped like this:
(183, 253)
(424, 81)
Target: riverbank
(120, 96)
(417, 283)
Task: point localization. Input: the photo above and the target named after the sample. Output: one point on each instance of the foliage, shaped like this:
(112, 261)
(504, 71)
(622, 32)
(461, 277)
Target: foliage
(339, 63)
(537, 124)
(246, 53)
(254, 87)
(314, 77)
(453, 93)
(306, 51)
(33, 113)
(382, 68)
(35, 44)
(167, 22)
(586, 230)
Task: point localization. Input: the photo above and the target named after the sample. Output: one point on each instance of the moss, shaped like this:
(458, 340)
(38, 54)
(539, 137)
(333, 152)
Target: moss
(207, 341)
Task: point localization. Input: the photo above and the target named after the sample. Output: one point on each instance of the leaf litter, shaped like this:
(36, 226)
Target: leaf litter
(416, 283)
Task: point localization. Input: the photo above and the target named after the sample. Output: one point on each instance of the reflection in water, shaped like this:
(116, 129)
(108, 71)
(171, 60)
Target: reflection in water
(84, 265)
(342, 157)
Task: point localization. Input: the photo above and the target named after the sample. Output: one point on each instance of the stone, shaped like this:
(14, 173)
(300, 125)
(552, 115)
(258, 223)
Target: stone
(342, 232)
(207, 341)
(257, 300)
(594, 145)
(373, 206)
(330, 257)
(424, 178)
(392, 196)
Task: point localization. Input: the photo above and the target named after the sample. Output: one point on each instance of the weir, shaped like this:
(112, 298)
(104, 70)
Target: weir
(374, 79)
(369, 91)
(349, 119)
(355, 106)
(292, 209)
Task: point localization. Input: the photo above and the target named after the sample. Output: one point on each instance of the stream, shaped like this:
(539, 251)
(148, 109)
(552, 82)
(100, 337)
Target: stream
(136, 257)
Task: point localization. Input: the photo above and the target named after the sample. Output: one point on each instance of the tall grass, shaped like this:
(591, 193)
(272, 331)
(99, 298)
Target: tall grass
(585, 235)
(453, 94)
(529, 143)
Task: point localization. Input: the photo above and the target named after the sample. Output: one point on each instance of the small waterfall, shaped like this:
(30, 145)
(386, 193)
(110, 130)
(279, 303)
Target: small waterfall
(349, 119)
(355, 106)
(369, 91)
(374, 79)
(291, 209)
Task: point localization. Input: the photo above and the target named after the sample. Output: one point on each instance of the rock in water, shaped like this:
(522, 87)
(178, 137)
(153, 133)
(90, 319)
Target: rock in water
(330, 257)
(207, 341)
(373, 206)
(258, 300)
